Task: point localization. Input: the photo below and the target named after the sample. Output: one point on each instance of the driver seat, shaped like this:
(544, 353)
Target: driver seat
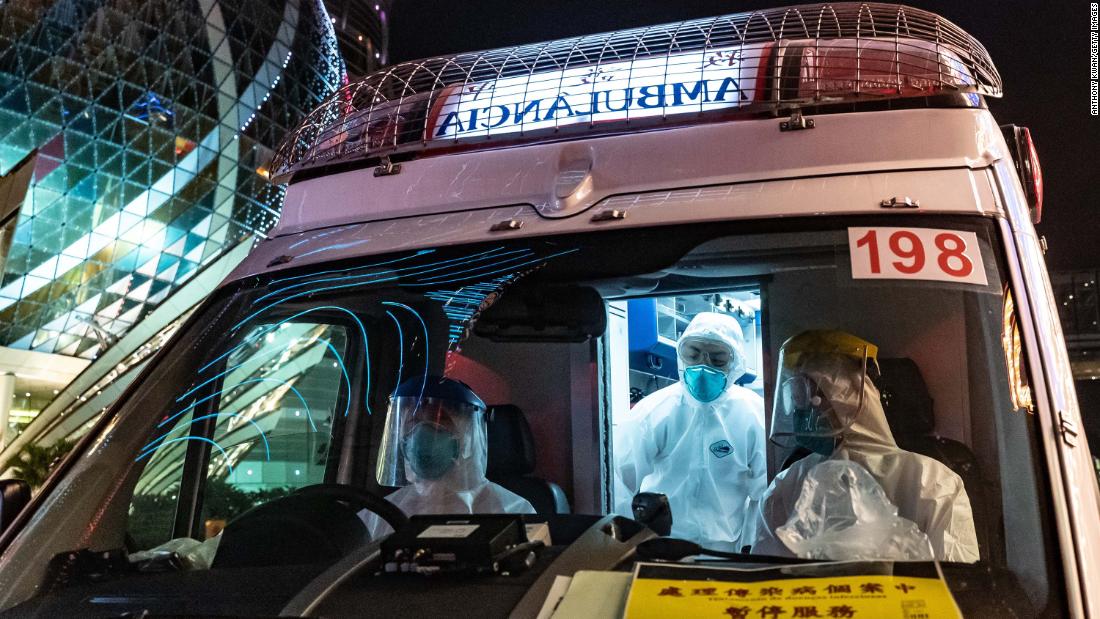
(909, 412)
(512, 460)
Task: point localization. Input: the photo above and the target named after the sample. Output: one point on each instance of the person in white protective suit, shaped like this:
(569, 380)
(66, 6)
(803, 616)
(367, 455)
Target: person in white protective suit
(699, 441)
(825, 402)
(435, 446)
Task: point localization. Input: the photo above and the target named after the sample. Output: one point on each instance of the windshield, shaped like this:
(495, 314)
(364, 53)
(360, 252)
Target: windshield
(829, 389)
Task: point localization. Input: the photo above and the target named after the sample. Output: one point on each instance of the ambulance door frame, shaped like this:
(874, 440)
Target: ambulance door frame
(607, 393)
(1019, 276)
(590, 427)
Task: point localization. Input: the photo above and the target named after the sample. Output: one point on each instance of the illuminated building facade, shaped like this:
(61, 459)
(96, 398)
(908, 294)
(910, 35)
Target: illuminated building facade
(134, 139)
(362, 30)
(1079, 309)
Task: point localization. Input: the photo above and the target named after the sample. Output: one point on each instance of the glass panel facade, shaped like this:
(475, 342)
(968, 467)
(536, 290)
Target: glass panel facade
(149, 125)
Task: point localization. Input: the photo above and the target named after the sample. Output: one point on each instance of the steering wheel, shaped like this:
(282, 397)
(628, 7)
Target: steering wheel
(318, 523)
(359, 498)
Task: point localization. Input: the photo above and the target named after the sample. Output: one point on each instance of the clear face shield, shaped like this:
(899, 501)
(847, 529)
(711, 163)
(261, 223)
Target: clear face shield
(820, 389)
(433, 439)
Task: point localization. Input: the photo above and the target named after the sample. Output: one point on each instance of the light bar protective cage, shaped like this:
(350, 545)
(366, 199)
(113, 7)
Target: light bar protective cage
(744, 64)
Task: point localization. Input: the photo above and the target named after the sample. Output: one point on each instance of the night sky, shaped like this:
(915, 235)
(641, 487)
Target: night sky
(1040, 49)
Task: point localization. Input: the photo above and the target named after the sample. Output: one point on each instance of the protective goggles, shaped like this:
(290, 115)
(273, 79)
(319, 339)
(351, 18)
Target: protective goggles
(694, 351)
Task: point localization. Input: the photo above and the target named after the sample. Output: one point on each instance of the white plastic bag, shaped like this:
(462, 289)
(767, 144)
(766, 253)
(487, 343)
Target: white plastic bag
(843, 514)
(194, 555)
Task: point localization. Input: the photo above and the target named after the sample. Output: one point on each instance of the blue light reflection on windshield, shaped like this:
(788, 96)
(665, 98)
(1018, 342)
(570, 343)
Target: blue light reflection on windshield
(153, 444)
(193, 438)
(228, 370)
(238, 386)
(350, 275)
(460, 307)
(268, 328)
(424, 326)
(400, 346)
(374, 276)
(393, 276)
(344, 371)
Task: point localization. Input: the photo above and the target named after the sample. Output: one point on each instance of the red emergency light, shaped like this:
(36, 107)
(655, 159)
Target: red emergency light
(1026, 159)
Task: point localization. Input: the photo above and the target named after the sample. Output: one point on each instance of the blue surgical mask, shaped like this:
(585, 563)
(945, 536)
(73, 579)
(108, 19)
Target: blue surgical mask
(431, 451)
(809, 431)
(704, 383)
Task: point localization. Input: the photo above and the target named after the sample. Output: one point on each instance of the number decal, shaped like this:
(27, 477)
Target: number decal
(955, 251)
(916, 253)
(871, 240)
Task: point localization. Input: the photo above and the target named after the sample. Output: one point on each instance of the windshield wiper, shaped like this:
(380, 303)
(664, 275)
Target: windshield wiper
(673, 549)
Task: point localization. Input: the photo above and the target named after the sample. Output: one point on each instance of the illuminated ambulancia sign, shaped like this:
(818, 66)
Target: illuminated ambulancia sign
(657, 86)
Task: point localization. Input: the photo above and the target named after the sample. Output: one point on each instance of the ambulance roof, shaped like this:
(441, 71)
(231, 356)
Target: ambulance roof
(736, 66)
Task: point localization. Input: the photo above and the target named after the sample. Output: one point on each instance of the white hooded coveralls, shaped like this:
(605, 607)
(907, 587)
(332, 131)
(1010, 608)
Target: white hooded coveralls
(437, 497)
(924, 490)
(708, 458)
(463, 489)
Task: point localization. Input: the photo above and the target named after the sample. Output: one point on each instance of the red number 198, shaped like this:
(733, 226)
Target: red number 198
(907, 246)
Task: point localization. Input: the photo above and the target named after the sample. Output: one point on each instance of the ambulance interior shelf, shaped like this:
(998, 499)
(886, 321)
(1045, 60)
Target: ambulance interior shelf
(656, 324)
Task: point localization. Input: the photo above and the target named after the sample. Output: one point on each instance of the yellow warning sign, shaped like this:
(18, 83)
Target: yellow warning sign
(789, 592)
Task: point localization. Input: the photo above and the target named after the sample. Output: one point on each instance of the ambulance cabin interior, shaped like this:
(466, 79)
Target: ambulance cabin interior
(563, 351)
(554, 405)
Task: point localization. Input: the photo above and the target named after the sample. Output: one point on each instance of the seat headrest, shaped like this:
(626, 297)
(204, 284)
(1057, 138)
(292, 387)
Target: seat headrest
(905, 398)
(511, 444)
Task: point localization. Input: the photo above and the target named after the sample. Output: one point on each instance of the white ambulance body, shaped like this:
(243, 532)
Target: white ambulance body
(826, 167)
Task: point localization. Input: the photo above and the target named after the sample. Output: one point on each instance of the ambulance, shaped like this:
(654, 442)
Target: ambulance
(541, 225)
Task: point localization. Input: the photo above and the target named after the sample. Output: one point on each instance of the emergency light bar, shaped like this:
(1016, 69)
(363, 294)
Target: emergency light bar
(762, 62)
